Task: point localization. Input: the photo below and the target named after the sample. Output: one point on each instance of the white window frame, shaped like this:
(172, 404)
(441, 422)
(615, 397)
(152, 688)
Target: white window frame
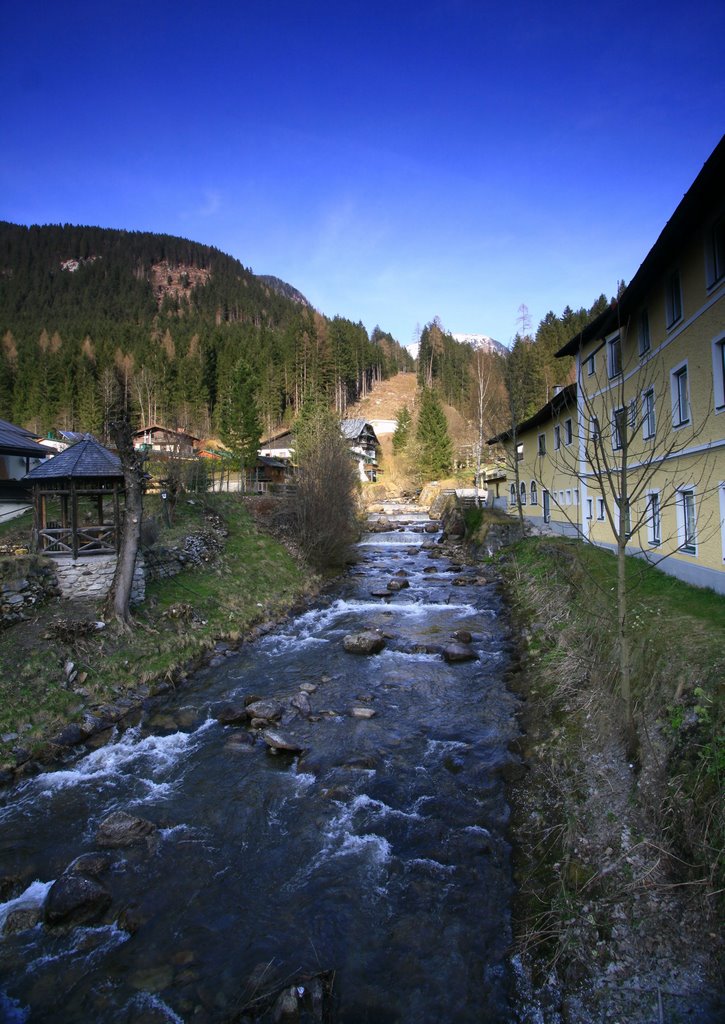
(715, 253)
(568, 495)
(673, 299)
(676, 392)
(557, 437)
(619, 423)
(534, 493)
(600, 510)
(643, 332)
(512, 494)
(591, 364)
(686, 520)
(575, 496)
(594, 433)
(522, 492)
(590, 508)
(541, 444)
(649, 414)
(568, 432)
(614, 356)
(654, 518)
(520, 451)
(718, 372)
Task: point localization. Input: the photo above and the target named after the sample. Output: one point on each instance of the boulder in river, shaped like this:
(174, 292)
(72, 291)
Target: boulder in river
(358, 712)
(455, 652)
(267, 710)
(276, 741)
(90, 864)
(121, 829)
(398, 585)
(462, 636)
(301, 702)
(232, 714)
(75, 899)
(22, 919)
(367, 642)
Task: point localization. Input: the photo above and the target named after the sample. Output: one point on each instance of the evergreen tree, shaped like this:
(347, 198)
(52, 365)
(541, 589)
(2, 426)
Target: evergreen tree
(238, 420)
(435, 448)
(402, 429)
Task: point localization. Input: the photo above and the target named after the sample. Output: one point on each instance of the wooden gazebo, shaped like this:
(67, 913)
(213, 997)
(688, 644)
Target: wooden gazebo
(77, 501)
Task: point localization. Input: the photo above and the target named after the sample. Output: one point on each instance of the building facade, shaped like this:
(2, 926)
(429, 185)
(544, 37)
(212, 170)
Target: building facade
(634, 452)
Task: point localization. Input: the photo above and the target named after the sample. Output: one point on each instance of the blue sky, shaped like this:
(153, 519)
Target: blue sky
(394, 161)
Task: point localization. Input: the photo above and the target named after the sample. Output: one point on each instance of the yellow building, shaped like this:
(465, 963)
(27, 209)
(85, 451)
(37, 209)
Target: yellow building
(548, 490)
(650, 421)
(634, 452)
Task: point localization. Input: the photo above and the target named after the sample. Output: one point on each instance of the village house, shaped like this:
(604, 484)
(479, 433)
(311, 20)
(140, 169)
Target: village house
(359, 434)
(19, 453)
(165, 440)
(637, 446)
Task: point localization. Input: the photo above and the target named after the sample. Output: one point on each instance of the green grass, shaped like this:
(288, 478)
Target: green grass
(253, 579)
(565, 591)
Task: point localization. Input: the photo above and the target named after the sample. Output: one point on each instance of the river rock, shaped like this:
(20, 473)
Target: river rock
(456, 652)
(398, 585)
(358, 712)
(75, 899)
(121, 829)
(232, 714)
(267, 710)
(90, 864)
(70, 736)
(367, 642)
(301, 702)
(431, 528)
(462, 636)
(22, 919)
(276, 741)
(308, 687)
(380, 593)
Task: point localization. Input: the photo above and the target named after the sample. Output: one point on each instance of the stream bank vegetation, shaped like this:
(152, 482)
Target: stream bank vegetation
(619, 865)
(56, 668)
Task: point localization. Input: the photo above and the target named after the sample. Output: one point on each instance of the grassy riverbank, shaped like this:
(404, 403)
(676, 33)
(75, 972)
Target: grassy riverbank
(253, 578)
(619, 867)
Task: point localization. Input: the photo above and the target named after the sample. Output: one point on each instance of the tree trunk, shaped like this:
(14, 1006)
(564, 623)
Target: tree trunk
(118, 600)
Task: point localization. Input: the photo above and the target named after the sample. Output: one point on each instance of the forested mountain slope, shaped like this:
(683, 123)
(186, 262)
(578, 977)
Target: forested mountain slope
(176, 322)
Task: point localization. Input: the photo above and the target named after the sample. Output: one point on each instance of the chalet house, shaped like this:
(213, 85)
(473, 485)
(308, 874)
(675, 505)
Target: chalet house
(358, 433)
(165, 441)
(19, 453)
(279, 445)
(640, 452)
(364, 446)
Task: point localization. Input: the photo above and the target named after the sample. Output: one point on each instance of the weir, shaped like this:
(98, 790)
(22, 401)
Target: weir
(375, 860)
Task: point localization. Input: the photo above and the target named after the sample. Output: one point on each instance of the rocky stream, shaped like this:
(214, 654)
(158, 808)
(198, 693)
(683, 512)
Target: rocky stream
(313, 828)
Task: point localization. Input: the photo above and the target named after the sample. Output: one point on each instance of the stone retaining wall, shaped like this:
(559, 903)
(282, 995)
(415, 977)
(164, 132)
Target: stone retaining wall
(27, 585)
(92, 577)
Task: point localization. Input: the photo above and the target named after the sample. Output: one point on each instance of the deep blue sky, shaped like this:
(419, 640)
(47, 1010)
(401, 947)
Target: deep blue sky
(394, 161)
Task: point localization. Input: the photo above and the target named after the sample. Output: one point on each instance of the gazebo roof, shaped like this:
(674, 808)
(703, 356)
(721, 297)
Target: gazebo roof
(88, 459)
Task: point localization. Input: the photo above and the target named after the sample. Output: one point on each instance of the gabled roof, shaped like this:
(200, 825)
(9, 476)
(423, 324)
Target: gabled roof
(353, 428)
(19, 441)
(172, 431)
(699, 203)
(85, 459)
(566, 399)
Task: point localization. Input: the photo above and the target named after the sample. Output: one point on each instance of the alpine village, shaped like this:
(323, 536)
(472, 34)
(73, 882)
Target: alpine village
(334, 671)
